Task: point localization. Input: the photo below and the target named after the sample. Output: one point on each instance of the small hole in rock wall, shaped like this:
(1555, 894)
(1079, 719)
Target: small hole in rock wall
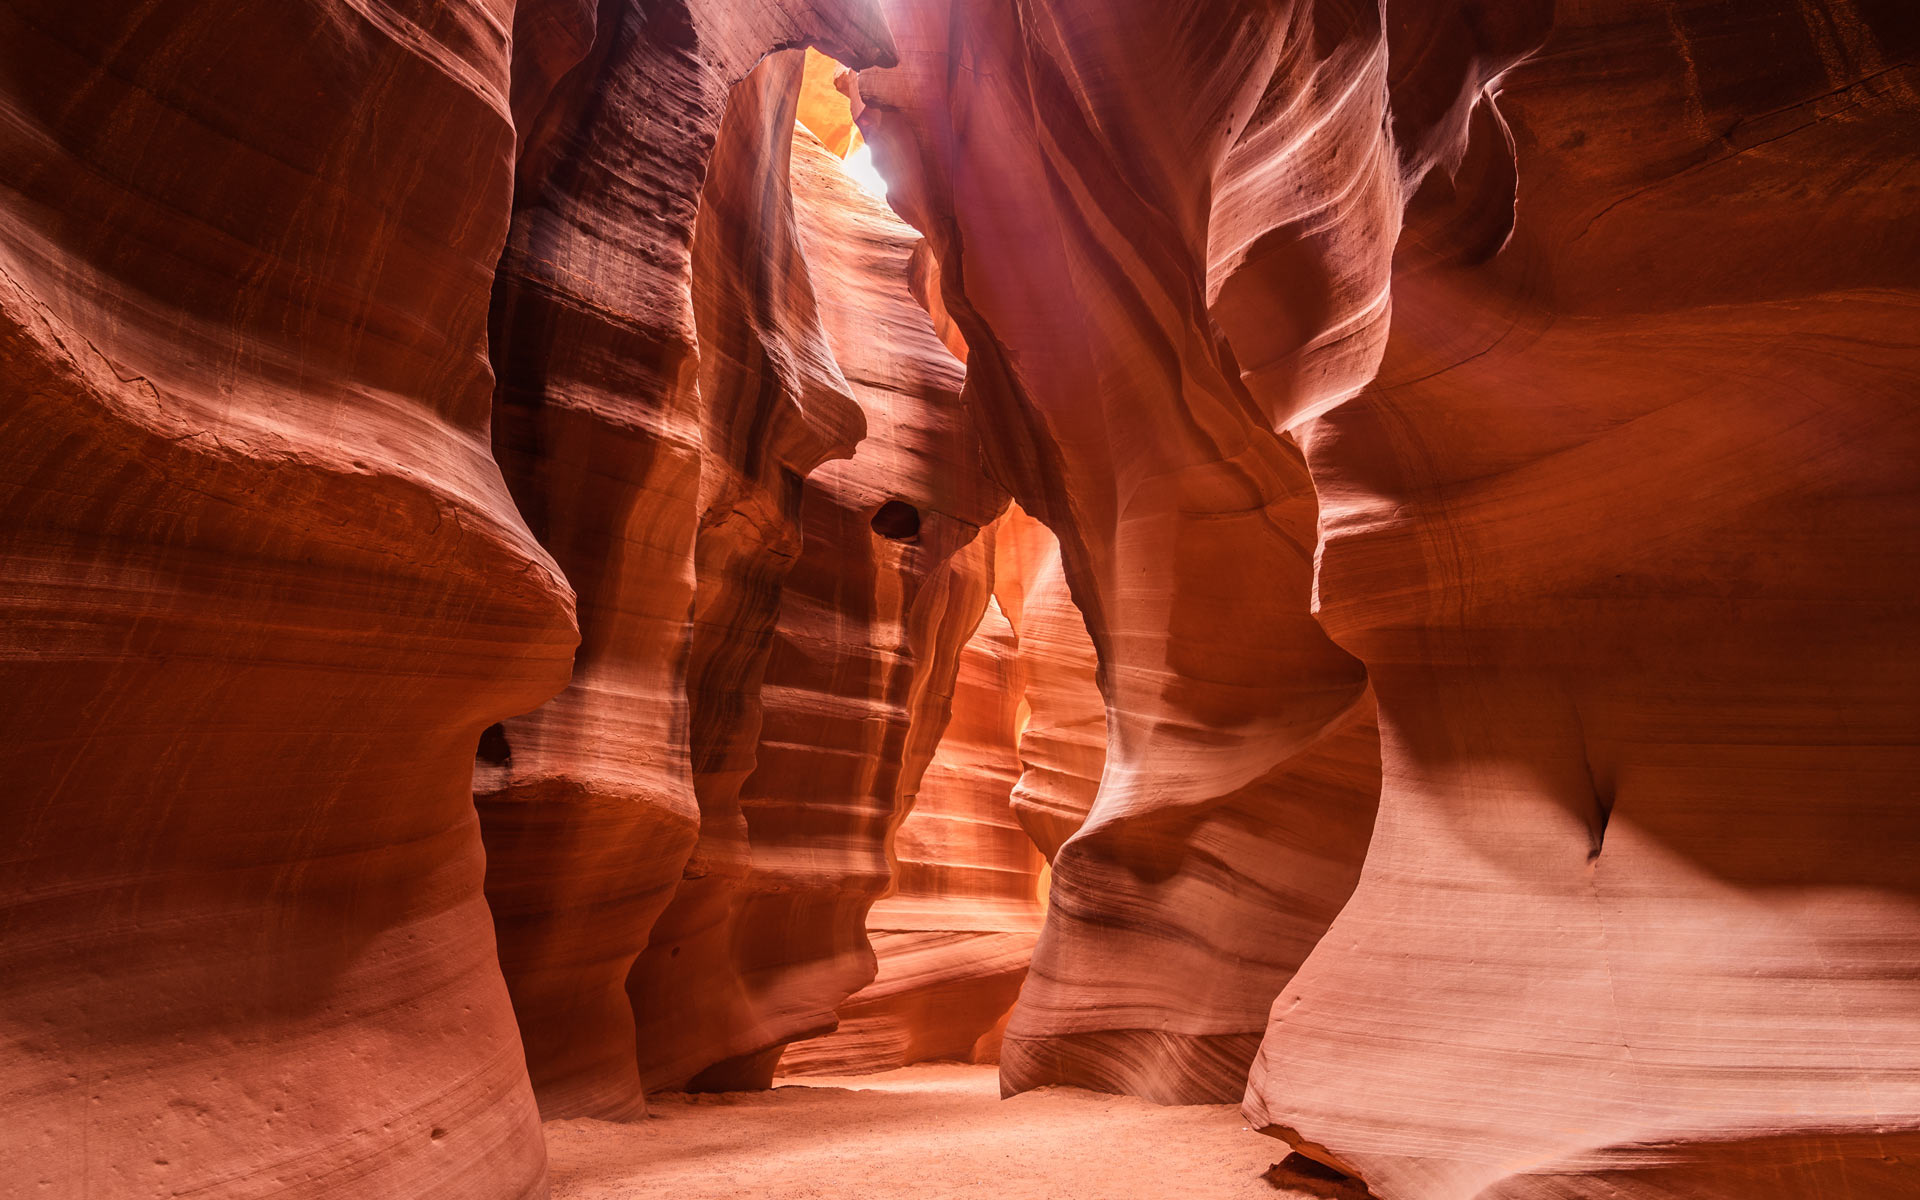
(898, 520)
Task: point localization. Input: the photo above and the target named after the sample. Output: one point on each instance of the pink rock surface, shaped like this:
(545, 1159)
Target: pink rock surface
(1062, 740)
(262, 587)
(622, 416)
(1239, 779)
(766, 937)
(1623, 533)
(774, 406)
(1454, 691)
(953, 934)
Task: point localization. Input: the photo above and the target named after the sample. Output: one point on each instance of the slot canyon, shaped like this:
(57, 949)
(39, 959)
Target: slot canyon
(995, 599)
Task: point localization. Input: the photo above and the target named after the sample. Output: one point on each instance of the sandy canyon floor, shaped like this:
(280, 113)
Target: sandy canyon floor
(932, 1132)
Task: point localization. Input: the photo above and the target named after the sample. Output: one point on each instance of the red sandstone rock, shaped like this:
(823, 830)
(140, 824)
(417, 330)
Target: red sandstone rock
(766, 936)
(1025, 745)
(774, 406)
(1621, 534)
(1239, 781)
(956, 928)
(1624, 533)
(262, 589)
(823, 107)
(1062, 736)
(619, 424)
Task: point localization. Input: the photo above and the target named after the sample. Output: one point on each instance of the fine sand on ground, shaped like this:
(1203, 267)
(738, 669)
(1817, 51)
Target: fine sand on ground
(932, 1132)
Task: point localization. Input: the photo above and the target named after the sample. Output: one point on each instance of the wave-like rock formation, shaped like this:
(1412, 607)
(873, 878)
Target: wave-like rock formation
(765, 937)
(1617, 928)
(1062, 737)
(1454, 691)
(1252, 201)
(774, 406)
(953, 935)
(262, 587)
(633, 425)
(1015, 773)
(1625, 533)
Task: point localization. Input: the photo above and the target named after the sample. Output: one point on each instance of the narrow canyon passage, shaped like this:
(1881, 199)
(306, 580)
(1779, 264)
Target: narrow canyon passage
(999, 599)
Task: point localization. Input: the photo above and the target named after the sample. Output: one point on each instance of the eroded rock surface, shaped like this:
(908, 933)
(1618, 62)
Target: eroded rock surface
(1062, 739)
(634, 429)
(1625, 534)
(1239, 779)
(1606, 478)
(1521, 454)
(263, 588)
(766, 936)
(956, 928)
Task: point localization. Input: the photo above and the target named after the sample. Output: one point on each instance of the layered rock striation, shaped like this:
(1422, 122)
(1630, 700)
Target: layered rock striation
(954, 932)
(1240, 771)
(766, 936)
(1061, 739)
(263, 588)
(1571, 531)
(1453, 691)
(1624, 533)
(663, 379)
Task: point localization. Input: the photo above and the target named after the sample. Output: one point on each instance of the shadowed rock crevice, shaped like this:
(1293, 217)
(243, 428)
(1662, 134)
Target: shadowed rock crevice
(897, 521)
(1300, 1175)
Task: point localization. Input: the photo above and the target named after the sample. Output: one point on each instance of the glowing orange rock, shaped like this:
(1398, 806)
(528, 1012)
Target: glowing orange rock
(766, 936)
(955, 931)
(1239, 776)
(623, 420)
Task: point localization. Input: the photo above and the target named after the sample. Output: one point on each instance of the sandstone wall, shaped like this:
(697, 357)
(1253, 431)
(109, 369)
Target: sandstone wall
(657, 394)
(1239, 776)
(766, 936)
(1624, 533)
(954, 931)
(1456, 678)
(263, 589)
(1618, 534)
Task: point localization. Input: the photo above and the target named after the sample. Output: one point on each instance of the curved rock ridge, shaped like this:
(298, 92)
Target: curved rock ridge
(765, 937)
(509, 594)
(1624, 532)
(1015, 772)
(1062, 729)
(953, 934)
(1119, 198)
(774, 406)
(631, 427)
(262, 589)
